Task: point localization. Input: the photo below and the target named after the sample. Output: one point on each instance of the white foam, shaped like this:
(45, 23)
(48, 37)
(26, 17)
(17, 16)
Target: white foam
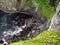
(24, 26)
(4, 41)
(17, 30)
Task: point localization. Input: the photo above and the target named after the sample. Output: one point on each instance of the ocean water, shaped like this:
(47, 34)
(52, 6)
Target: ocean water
(3, 22)
(7, 25)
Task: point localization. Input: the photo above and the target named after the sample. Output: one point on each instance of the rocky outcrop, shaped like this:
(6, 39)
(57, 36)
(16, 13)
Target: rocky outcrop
(55, 22)
(13, 6)
(58, 8)
(8, 5)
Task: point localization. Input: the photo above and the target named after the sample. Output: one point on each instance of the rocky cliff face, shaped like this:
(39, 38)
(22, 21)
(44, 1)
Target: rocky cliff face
(55, 22)
(8, 5)
(13, 6)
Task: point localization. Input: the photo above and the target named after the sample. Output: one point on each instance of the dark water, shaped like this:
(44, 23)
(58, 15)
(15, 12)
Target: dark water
(3, 22)
(8, 21)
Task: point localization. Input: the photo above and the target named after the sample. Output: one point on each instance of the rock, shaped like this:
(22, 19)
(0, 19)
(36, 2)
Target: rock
(8, 5)
(11, 6)
(3, 42)
(58, 7)
(52, 2)
(55, 22)
(20, 6)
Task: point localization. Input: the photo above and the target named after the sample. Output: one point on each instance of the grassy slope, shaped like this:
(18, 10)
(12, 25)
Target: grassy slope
(30, 4)
(45, 38)
(44, 7)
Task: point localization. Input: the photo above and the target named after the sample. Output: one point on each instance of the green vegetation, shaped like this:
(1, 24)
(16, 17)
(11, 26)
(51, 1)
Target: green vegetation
(30, 4)
(45, 38)
(44, 7)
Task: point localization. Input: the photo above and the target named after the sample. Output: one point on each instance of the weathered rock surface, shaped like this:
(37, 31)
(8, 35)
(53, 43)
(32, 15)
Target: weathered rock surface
(8, 5)
(13, 6)
(55, 22)
(58, 7)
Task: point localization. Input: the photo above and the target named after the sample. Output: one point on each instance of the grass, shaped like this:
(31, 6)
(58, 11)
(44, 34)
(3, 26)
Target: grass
(44, 7)
(30, 4)
(45, 38)
(46, 10)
